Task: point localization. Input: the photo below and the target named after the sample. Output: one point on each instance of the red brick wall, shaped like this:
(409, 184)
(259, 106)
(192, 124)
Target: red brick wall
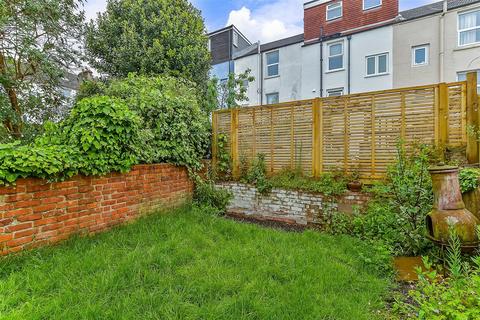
(34, 212)
(353, 17)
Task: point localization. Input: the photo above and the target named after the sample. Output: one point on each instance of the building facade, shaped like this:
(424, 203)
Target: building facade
(364, 45)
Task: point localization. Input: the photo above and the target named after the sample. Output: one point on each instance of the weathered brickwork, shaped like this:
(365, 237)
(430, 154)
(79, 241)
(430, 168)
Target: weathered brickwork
(292, 207)
(354, 18)
(35, 213)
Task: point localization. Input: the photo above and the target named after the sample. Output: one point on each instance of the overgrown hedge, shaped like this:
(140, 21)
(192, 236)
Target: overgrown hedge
(136, 120)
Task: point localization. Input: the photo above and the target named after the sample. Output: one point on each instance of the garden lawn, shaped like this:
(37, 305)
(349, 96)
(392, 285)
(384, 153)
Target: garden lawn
(192, 265)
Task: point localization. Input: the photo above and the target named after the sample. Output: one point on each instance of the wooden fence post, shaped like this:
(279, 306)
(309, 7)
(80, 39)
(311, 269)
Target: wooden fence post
(317, 137)
(443, 114)
(214, 138)
(234, 142)
(472, 118)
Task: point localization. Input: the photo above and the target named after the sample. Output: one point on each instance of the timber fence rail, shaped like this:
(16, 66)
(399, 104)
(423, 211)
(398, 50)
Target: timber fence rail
(357, 132)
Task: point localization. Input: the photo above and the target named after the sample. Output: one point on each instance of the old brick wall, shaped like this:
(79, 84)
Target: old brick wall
(287, 206)
(34, 212)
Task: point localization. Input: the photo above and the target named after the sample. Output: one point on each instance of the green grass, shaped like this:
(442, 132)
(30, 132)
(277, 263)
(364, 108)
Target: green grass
(191, 265)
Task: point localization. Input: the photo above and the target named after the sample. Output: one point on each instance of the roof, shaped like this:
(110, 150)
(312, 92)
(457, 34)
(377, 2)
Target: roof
(230, 27)
(253, 49)
(434, 8)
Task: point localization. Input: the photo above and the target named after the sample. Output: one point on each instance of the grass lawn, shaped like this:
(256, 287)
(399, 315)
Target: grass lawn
(191, 265)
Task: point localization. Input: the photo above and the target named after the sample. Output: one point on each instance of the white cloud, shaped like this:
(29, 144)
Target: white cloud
(273, 21)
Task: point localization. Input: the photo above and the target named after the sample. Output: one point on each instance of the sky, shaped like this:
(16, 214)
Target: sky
(259, 20)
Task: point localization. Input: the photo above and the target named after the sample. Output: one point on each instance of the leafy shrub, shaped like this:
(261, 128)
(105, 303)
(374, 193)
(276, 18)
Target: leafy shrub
(224, 162)
(98, 137)
(174, 128)
(207, 194)
(329, 184)
(257, 175)
(455, 297)
(106, 133)
(46, 162)
(469, 179)
(396, 214)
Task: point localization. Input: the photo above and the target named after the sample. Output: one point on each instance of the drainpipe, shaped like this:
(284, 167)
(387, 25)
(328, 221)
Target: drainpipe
(349, 38)
(442, 42)
(260, 57)
(321, 62)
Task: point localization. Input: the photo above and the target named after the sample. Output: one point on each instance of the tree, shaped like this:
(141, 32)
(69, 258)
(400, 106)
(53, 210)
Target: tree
(229, 93)
(37, 46)
(150, 37)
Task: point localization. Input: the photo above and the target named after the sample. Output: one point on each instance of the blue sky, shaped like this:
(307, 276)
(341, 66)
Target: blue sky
(264, 20)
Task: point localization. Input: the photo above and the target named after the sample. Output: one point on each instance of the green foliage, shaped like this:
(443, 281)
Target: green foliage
(257, 175)
(396, 215)
(224, 162)
(106, 132)
(150, 37)
(98, 137)
(174, 129)
(455, 297)
(46, 162)
(469, 179)
(230, 93)
(329, 184)
(39, 44)
(207, 194)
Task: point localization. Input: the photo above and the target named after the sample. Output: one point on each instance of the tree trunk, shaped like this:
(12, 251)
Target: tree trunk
(12, 128)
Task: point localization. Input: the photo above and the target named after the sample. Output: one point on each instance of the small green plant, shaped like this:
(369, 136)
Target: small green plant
(257, 175)
(469, 179)
(455, 297)
(330, 184)
(224, 162)
(207, 194)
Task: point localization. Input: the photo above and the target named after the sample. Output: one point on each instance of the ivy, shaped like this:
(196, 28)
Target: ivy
(469, 179)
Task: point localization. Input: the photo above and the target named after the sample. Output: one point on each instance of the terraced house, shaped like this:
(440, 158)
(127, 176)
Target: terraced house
(363, 45)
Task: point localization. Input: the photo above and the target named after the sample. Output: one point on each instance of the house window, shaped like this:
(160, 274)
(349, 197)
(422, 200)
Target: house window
(377, 64)
(335, 92)
(272, 98)
(235, 39)
(469, 28)
(273, 59)
(335, 56)
(462, 76)
(334, 11)
(370, 4)
(420, 55)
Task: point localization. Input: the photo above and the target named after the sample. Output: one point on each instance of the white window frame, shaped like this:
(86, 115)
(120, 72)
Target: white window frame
(235, 39)
(337, 55)
(268, 65)
(376, 6)
(209, 44)
(271, 94)
(465, 30)
(329, 8)
(427, 55)
(335, 90)
(376, 56)
(465, 73)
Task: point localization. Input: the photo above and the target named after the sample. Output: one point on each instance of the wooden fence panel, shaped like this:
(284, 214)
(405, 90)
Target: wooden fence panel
(358, 132)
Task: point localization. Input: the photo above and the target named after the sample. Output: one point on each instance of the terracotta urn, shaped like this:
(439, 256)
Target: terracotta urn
(449, 209)
(355, 186)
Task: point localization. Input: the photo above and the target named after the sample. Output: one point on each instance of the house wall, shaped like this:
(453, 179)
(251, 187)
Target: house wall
(251, 62)
(379, 40)
(375, 41)
(428, 31)
(36, 212)
(353, 17)
(289, 81)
